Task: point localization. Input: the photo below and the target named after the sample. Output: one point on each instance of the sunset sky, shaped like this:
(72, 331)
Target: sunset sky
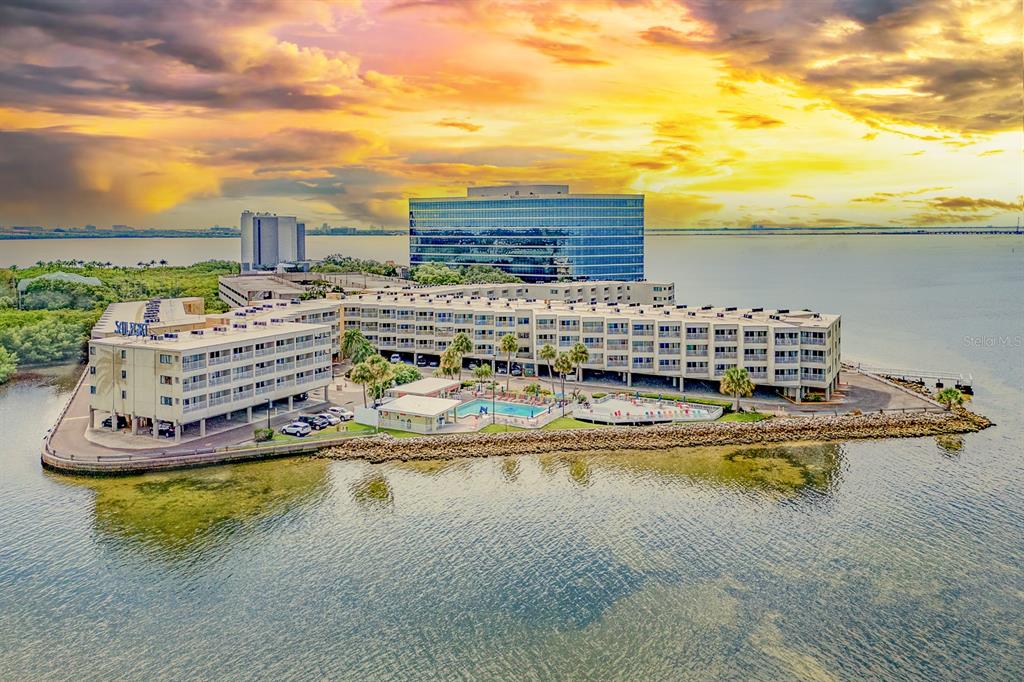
(811, 112)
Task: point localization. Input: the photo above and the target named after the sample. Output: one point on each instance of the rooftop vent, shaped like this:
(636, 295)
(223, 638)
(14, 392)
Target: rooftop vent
(782, 311)
(730, 309)
(757, 310)
(707, 307)
(170, 335)
(197, 332)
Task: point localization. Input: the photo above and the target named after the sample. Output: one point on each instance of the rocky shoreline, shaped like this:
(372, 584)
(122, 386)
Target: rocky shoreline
(384, 448)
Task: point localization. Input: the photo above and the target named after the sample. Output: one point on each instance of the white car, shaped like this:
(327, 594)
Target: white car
(333, 419)
(341, 413)
(395, 357)
(296, 429)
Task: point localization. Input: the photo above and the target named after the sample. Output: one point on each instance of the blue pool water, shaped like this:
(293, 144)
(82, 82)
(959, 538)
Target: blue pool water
(510, 409)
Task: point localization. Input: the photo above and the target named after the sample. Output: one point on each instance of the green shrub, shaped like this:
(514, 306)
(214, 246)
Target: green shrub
(595, 396)
(262, 435)
(8, 364)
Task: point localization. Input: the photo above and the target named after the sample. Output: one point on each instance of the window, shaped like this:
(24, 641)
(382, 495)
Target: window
(165, 359)
(124, 374)
(124, 354)
(92, 390)
(165, 380)
(165, 400)
(92, 370)
(124, 395)
(92, 350)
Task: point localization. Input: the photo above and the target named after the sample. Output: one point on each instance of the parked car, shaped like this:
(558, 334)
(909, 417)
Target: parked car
(341, 413)
(395, 357)
(165, 429)
(433, 363)
(299, 429)
(472, 366)
(421, 362)
(331, 419)
(517, 370)
(310, 421)
(122, 422)
(321, 422)
(300, 397)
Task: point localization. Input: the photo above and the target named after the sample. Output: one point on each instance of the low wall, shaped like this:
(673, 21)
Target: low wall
(786, 429)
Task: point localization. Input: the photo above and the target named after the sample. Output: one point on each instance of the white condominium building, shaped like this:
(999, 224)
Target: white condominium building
(792, 351)
(164, 361)
(269, 239)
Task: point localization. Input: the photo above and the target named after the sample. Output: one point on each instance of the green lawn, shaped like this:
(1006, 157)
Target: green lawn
(561, 423)
(363, 428)
(744, 417)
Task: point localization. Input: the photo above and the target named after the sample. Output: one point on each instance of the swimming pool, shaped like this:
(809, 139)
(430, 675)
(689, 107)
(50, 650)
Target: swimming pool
(500, 407)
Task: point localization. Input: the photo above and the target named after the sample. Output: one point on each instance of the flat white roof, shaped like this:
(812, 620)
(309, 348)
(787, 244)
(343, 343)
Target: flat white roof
(426, 386)
(419, 405)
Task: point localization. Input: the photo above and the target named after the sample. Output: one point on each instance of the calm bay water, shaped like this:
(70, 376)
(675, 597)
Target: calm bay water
(885, 560)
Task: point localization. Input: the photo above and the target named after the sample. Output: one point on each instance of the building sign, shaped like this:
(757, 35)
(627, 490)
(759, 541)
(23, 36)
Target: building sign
(131, 328)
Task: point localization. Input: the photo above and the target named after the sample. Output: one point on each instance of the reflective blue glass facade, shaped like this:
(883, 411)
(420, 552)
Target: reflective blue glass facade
(536, 238)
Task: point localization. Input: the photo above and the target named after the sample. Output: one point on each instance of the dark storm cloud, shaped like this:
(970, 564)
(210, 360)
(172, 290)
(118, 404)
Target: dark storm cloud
(83, 56)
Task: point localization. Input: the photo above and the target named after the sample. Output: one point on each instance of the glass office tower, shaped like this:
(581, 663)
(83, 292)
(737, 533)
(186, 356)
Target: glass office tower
(540, 233)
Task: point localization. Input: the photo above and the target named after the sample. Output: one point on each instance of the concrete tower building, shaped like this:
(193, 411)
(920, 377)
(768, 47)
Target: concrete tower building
(269, 239)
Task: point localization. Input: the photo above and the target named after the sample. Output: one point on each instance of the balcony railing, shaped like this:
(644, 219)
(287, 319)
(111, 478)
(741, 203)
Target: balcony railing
(192, 407)
(284, 383)
(812, 360)
(235, 357)
(304, 344)
(242, 395)
(260, 352)
(193, 365)
(787, 341)
(697, 336)
(758, 375)
(727, 355)
(284, 367)
(812, 341)
(696, 353)
(194, 386)
(219, 359)
(264, 371)
(264, 389)
(786, 360)
(220, 400)
(218, 381)
(247, 374)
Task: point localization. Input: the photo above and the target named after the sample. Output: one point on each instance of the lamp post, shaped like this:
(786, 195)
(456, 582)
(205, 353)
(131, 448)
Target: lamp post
(270, 404)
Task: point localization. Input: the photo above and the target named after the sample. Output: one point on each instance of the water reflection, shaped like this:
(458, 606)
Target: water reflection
(177, 515)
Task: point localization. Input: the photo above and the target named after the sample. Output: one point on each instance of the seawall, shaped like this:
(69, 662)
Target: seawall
(786, 429)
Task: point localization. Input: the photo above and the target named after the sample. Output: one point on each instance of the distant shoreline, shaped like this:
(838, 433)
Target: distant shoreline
(650, 232)
(7, 236)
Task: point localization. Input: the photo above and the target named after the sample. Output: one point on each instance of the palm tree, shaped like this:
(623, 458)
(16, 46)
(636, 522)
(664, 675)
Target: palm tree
(736, 382)
(350, 341)
(533, 389)
(459, 346)
(950, 397)
(163, 261)
(509, 344)
(579, 355)
(361, 374)
(482, 374)
(382, 373)
(450, 364)
(363, 352)
(564, 365)
(548, 353)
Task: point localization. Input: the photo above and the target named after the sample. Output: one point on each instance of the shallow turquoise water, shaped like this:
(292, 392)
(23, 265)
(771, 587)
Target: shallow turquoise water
(863, 560)
(499, 407)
